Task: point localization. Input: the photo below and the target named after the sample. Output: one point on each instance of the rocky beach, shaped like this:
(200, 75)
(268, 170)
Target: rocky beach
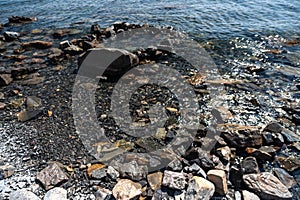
(256, 156)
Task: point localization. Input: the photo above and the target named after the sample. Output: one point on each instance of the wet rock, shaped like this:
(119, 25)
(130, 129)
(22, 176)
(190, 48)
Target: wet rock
(290, 136)
(51, 176)
(103, 194)
(21, 19)
(23, 194)
(243, 138)
(133, 170)
(56, 55)
(289, 163)
(267, 186)
(56, 193)
(37, 44)
(73, 50)
(249, 165)
(174, 180)
(273, 127)
(218, 178)
(200, 188)
(285, 177)
(175, 165)
(249, 195)
(155, 180)
(10, 36)
(5, 79)
(26, 115)
(126, 189)
(123, 60)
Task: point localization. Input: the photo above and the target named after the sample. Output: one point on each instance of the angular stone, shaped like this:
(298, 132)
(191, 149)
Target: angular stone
(259, 154)
(7, 171)
(175, 165)
(243, 138)
(10, 36)
(273, 127)
(290, 136)
(155, 180)
(267, 186)
(51, 176)
(37, 44)
(249, 195)
(249, 165)
(33, 102)
(99, 173)
(73, 50)
(120, 61)
(285, 177)
(26, 115)
(103, 194)
(224, 153)
(218, 178)
(23, 194)
(174, 180)
(200, 188)
(56, 193)
(290, 163)
(133, 170)
(5, 79)
(93, 167)
(160, 194)
(126, 189)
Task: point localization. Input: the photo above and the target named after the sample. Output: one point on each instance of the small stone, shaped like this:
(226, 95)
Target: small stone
(23, 194)
(249, 195)
(155, 180)
(180, 195)
(99, 173)
(259, 154)
(133, 170)
(37, 44)
(249, 165)
(126, 189)
(175, 165)
(2, 105)
(285, 177)
(160, 134)
(33, 102)
(51, 176)
(243, 138)
(224, 153)
(73, 50)
(195, 170)
(26, 115)
(94, 167)
(200, 188)
(160, 194)
(114, 174)
(7, 171)
(267, 186)
(2, 96)
(5, 79)
(290, 163)
(33, 81)
(103, 194)
(174, 180)
(56, 193)
(218, 178)
(290, 136)
(273, 127)
(10, 36)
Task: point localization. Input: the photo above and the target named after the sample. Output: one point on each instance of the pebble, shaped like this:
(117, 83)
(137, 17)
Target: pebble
(133, 170)
(249, 195)
(10, 36)
(273, 127)
(51, 176)
(155, 180)
(267, 186)
(200, 188)
(23, 194)
(218, 178)
(56, 193)
(175, 165)
(174, 180)
(26, 115)
(126, 189)
(37, 44)
(5, 79)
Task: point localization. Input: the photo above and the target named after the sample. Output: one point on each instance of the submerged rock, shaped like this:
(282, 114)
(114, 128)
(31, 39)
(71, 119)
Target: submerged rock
(5, 79)
(10, 36)
(21, 19)
(267, 186)
(37, 44)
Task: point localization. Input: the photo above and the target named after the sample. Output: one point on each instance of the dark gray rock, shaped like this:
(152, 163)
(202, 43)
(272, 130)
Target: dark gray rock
(99, 173)
(133, 171)
(273, 127)
(160, 194)
(285, 177)
(10, 36)
(175, 165)
(5, 79)
(249, 165)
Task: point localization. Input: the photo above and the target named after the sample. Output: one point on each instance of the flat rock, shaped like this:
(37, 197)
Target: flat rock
(37, 44)
(273, 127)
(5, 79)
(285, 177)
(133, 170)
(155, 180)
(56, 193)
(73, 50)
(249, 195)
(23, 194)
(174, 180)
(289, 163)
(243, 138)
(33, 102)
(2, 105)
(51, 176)
(26, 115)
(267, 186)
(126, 189)
(200, 188)
(218, 178)
(21, 19)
